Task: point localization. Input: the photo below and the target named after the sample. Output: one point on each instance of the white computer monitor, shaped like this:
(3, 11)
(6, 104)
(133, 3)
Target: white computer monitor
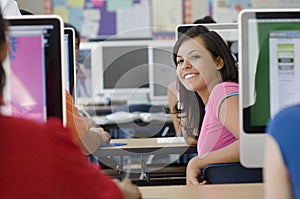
(228, 31)
(162, 70)
(88, 71)
(269, 45)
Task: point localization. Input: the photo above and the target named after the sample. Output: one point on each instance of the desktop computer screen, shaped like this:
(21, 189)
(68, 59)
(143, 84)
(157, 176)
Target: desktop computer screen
(269, 44)
(125, 66)
(125, 69)
(35, 68)
(228, 31)
(117, 69)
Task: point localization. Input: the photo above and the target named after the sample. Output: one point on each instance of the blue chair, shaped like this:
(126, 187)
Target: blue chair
(225, 173)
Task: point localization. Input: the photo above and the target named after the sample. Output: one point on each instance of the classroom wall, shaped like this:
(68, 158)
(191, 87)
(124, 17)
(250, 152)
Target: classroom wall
(143, 18)
(199, 8)
(95, 20)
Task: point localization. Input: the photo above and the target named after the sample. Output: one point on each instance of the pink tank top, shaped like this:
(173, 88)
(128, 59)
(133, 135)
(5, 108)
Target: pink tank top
(213, 134)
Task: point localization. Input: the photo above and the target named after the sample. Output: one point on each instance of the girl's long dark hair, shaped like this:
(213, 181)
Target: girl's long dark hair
(3, 29)
(191, 106)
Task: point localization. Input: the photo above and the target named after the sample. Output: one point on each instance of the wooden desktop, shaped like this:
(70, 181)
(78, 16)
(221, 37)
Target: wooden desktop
(211, 191)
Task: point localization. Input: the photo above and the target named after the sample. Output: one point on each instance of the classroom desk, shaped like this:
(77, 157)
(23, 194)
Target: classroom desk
(144, 147)
(138, 124)
(148, 146)
(97, 109)
(140, 128)
(217, 191)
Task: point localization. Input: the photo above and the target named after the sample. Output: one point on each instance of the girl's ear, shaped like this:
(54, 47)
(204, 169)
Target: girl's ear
(219, 62)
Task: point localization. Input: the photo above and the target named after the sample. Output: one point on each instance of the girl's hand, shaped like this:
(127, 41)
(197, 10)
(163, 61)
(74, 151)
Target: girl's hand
(193, 171)
(104, 135)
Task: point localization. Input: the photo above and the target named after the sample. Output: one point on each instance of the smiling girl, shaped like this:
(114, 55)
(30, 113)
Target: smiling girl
(208, 88)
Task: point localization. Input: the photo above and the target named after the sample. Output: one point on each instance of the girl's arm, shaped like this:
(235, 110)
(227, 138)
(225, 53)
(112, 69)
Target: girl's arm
(226, 154)
(229, 116)
(275, 174)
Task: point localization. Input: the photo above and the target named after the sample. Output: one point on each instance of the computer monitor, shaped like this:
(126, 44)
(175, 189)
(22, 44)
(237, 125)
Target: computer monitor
(228, 31)
(162, 70)
(124, 69)
(269, 45)
(35, 68)
(70, 66)
(88, 70)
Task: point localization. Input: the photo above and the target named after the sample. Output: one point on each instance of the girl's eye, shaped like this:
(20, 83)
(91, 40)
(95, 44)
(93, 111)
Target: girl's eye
(179, 62)
(195, 56)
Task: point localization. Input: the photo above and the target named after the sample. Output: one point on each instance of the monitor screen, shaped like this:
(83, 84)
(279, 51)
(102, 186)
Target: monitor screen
(35, 68)
(162, 69)
(69, 41)
(124, 68)
(270, 42)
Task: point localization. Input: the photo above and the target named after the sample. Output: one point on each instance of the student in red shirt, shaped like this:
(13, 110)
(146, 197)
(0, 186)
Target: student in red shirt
(40, 160)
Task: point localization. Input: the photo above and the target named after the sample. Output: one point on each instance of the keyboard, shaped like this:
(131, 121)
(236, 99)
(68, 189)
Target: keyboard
(125, 117)
(122, 117)
(117, 117)
(163, 117)
(170, 140)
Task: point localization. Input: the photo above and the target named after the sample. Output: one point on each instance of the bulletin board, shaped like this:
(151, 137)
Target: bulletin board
(228, 10)
(102, 19)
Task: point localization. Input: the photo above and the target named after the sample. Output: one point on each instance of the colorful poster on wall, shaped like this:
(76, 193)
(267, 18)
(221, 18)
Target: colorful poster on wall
(102, 19)
(275, 3)
(166, 15)
(227, 11)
